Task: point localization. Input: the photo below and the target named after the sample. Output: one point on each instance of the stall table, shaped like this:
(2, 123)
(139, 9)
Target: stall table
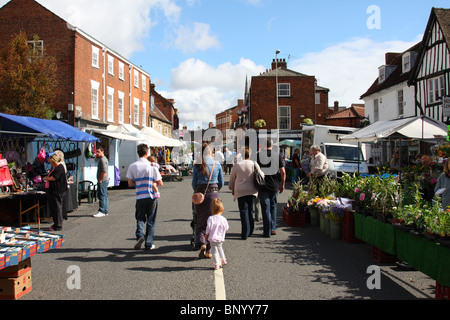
(17, 246)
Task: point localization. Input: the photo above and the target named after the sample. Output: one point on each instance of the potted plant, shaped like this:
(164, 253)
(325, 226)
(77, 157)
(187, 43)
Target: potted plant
(260, 123)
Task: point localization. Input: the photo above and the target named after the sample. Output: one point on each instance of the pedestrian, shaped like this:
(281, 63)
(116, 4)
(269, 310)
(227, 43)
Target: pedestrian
(243, 189)
(296, 164)
(219, 157)
(443, 185)
(102, 183)
(229, 159)
(55, 187)
(273, 167)
(216, 228)
(142, 175)
(305, 166)
(318, 165)
(154, 163)
(206, 170)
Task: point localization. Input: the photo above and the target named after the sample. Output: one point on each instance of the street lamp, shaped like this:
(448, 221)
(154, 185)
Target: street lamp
(276, 80)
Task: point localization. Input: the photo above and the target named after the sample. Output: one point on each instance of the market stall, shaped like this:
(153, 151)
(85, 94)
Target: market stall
(21, 141)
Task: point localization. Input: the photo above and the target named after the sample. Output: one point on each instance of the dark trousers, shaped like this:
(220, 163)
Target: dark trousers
(145, 214)
(55, 206)
(245, 204)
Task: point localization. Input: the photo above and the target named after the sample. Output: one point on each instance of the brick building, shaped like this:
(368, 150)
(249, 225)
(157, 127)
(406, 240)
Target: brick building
(299, 97)
(348, 117)
(161, 112)
(97, 86)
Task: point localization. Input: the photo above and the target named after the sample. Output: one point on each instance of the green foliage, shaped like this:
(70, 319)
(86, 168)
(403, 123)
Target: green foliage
(28, 83)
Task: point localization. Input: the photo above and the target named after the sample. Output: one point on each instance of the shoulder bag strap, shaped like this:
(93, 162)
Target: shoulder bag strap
(210, 176)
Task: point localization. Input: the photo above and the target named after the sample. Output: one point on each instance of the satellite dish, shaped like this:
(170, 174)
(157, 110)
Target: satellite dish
(59, 115)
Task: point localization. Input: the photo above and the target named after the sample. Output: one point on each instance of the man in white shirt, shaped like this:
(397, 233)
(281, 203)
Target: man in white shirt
(142, 175)
(229, 159)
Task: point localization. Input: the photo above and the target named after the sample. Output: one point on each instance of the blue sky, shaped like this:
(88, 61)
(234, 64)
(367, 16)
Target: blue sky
(199, 52)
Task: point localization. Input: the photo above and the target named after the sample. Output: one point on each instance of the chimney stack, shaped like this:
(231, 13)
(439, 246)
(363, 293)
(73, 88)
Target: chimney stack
(336, 106)
(281, 63)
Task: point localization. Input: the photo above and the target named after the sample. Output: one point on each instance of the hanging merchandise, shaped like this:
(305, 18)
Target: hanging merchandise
(49, 153)
(42, 155)
(5, 175)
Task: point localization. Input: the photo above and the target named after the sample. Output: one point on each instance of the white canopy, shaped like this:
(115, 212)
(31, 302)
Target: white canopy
(156, 139)
(421, 128)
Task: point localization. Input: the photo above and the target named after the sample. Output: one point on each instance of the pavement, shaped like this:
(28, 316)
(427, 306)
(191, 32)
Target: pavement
(98, 261)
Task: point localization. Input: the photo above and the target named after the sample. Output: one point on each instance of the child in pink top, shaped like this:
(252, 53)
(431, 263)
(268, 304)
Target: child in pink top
(216, 228)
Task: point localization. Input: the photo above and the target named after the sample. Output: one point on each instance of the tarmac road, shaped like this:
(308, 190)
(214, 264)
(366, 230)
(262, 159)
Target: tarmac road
(98, 262)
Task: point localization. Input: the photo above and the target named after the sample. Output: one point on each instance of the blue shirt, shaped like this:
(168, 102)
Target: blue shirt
(217, 176)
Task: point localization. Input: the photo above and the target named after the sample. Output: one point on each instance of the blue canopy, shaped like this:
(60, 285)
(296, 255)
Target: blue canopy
(54, 129)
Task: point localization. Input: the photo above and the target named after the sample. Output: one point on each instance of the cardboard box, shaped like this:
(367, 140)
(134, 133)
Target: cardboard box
(14, 288)
(16, 271)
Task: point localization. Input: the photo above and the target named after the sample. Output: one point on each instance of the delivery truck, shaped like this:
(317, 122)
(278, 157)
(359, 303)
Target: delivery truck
(342, 157)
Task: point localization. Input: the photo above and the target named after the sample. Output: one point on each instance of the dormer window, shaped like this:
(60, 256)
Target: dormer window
(406, 62)
(381, 74)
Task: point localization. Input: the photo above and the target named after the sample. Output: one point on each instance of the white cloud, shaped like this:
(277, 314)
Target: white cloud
(348, 69)
(120, 25)
(194, 38)
(201, 90)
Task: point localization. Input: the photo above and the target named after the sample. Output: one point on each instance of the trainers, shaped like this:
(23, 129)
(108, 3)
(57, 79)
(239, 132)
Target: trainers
(139, 243)
(216, 266)
(224, 262)
(99, 215)
(151, 248)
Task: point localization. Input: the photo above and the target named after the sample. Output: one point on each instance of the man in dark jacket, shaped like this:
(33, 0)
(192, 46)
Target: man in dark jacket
(272, 165)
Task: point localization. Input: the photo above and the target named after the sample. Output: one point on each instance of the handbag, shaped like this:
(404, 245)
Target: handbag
(258, 178)
(198, 197)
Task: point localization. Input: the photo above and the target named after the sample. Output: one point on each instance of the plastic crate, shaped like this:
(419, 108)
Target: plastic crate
(294, 219)
(382, 257)
(442, 292)
(348, 234)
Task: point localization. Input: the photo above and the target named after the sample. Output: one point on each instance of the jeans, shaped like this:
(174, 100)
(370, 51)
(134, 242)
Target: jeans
(102, 191)
(145, 220)
(296, 174)
(268, 200)
(245, 204)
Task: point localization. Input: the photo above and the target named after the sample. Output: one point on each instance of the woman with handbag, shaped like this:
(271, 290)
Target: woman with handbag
(207, 180)
(56, 185)
(242, 186)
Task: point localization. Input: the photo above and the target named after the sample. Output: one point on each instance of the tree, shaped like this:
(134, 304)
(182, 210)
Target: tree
(28, 84)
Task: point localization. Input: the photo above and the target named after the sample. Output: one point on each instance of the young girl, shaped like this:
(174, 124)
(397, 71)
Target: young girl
(216, 228)
(153, 163)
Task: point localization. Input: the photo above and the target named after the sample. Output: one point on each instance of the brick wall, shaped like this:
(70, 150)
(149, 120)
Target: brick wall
(302, 100)
(73, 52)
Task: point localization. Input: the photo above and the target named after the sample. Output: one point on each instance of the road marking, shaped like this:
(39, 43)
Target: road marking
(220, 284)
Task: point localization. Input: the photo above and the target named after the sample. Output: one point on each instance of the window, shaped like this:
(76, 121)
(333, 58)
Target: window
(436, 89)
(144, 83)
(110, 104)
(401, 103)
(284, 89)
(136, 78)
(95, 57)
(136, 111)
(407, 62)
(317, 98)
(94, 99)
(121, 71)
(110, 65)
(144, 113)
(284, 117)
(376, 115)
(120, 106)
(36, 48)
